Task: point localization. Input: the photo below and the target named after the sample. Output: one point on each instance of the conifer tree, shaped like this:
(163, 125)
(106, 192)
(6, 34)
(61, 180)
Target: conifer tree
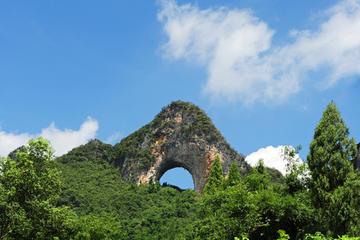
(216, 177)
(331, 152)
(330, 163)
(234, 176)
(259, 179)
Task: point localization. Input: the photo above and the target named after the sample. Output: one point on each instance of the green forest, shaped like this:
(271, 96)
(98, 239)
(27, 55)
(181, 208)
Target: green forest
(81, 195)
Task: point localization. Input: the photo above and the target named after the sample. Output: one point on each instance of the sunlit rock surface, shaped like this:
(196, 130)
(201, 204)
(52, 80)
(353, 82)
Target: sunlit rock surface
(181, 135)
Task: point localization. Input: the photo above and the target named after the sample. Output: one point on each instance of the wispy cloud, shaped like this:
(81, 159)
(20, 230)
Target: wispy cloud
(273, 157)
(242, 64)
(114, 137)
(61, 140)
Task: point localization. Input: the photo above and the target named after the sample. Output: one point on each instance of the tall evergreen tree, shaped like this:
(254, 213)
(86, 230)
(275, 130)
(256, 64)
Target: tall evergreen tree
(330, 163)
(234, 176)
(216, 177)
(331, 152)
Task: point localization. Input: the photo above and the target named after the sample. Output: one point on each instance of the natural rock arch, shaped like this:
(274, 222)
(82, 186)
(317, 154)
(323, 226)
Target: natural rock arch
(190, 156)
(181, 135)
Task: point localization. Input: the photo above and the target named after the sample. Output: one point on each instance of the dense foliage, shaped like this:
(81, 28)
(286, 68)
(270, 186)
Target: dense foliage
(29, 187)
(82, 196)
(334, 183)
(255, 207)
(216, 180)
(93, 187)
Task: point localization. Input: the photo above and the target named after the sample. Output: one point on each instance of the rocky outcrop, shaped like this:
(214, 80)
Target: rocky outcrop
(181, 135)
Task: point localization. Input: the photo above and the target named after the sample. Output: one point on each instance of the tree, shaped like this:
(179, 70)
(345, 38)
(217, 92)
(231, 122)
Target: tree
(297, 174)
(11, 214)
(29, 187)
(331, 152)
(234, 176)
(226, 213)
(330, 162)
(259, 179)
(216, 177)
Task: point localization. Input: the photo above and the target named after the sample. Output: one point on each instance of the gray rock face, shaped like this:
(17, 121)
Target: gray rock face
(181, 135)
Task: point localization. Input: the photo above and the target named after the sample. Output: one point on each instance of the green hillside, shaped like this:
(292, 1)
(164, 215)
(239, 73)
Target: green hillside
(92, 186)
(83, 195)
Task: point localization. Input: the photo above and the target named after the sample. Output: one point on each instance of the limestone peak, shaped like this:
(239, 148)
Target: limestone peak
(181, 135)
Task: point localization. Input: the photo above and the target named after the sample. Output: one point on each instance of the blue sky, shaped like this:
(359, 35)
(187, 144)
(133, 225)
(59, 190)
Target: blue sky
(262, 70)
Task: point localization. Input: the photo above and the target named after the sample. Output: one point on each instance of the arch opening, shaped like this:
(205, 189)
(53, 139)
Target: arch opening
(178, 177)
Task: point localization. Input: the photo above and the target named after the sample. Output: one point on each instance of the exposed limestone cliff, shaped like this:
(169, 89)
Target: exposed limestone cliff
(181, 135)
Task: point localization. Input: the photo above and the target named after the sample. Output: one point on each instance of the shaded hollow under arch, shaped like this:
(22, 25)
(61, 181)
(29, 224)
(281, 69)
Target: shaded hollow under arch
(194, 159)
(188, 163)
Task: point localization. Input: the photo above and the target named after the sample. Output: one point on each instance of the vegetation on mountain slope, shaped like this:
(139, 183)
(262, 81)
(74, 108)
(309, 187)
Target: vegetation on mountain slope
(81, 195)
(93, 187)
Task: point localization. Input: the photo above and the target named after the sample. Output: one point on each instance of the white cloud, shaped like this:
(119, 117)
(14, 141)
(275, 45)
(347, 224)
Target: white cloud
(114, 137)
(11, 141)
(273, 157)
(65, 140)
(242, 64)
(61, 140)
